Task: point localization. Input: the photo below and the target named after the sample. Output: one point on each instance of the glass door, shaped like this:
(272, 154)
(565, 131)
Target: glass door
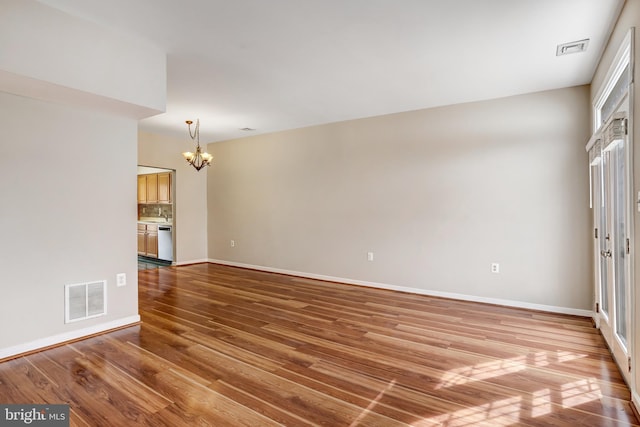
(602, 244)
(610, 182)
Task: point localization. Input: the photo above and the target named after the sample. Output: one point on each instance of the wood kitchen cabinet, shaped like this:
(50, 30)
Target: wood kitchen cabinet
(152, 241)
(164, 187)
(142, 189)
(154, 188)
(142, 239)
(148, 240)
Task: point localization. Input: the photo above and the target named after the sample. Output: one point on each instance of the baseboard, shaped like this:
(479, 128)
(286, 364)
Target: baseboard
(190, 262)
(9, 352)
(463, 297)
(635, 403)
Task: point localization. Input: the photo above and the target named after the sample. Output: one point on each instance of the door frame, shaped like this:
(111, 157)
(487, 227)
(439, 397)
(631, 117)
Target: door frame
(144, 169)
(596, 147)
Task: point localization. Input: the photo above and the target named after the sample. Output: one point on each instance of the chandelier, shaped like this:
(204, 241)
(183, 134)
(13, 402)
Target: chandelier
(200, 158)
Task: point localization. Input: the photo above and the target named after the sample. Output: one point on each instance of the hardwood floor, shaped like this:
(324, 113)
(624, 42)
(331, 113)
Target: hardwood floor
(222, 346)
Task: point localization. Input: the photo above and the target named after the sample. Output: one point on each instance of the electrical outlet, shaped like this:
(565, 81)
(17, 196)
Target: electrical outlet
(121, 279)
(369, 256)
(495, 267)
(233, 243)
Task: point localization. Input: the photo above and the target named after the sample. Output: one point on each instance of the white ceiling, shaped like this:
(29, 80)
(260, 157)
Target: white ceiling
(282, 64)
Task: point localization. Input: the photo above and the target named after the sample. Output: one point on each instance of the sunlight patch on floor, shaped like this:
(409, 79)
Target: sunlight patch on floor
(503, 412)
(508, 411)
(580, 392)
(541, 403)
(496, 368)
(482, 371)
(372, 404)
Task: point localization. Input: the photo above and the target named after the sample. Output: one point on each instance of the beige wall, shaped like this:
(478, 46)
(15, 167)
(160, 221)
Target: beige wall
(67, 182)
(437, 195)
(68, 140)
(630, 17)
(190, 198)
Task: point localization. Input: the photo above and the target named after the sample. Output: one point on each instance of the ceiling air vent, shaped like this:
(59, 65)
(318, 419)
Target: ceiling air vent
(572, 47)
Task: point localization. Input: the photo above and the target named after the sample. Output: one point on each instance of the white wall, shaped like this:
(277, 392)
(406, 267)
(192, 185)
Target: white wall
(437, 195)
(67, 184)
(48, 54)
(190, 198)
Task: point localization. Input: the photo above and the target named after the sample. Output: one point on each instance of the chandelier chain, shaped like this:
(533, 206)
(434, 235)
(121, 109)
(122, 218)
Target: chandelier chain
(195, 136)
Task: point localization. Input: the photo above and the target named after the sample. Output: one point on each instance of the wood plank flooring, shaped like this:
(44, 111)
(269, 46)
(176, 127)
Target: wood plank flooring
(222, 346)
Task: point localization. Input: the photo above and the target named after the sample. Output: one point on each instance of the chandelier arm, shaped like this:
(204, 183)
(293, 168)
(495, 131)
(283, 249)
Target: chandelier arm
(199, 159)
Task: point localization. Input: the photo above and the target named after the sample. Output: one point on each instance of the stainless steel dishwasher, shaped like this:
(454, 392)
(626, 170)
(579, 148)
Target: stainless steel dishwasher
(165, 243)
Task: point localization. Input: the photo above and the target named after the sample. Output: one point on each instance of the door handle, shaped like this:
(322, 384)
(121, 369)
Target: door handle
(606, 254)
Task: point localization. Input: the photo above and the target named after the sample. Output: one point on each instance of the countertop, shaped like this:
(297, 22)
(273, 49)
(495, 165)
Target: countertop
(158, 221)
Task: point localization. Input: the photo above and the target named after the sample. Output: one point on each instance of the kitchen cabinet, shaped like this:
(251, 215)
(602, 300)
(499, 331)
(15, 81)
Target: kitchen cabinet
(154, 188)
(142, 189)
(152, 241)
(142, 239)
(164, 187)
(148, 240)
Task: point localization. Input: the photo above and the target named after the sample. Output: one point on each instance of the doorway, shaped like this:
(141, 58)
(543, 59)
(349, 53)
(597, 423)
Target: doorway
(612, 233)
(611, 183)
(156, 217)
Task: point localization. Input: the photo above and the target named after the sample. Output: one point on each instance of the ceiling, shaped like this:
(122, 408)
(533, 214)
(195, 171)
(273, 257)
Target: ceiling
(273, 65)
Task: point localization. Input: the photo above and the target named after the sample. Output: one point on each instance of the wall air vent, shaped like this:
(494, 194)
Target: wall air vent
(572, 47)
(85, 300)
